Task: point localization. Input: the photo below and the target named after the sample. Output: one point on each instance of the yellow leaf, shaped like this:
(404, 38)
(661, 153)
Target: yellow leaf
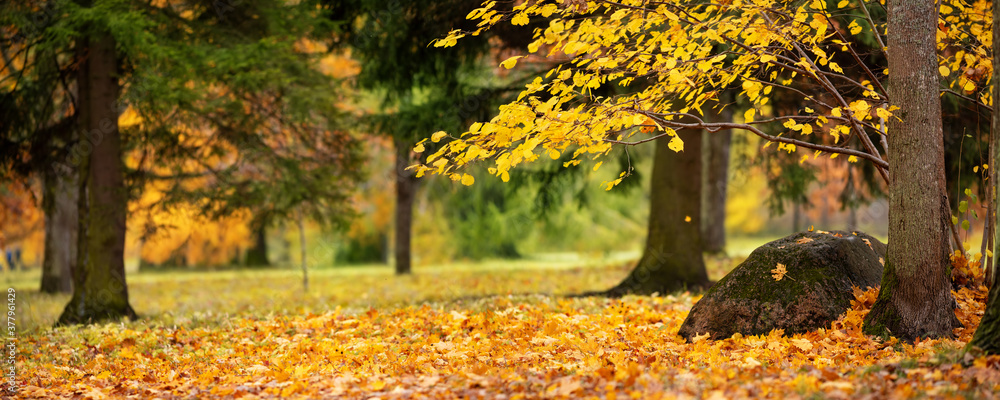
(748, 115)
(859, 109)
(520, 19)
(509, 63)
(854, 27)
(687, 218)
(843, 4)
(779, 272)
(969, 86)
(836, 112)
(944, 70)
(468, 180)
(803, 344)
(437, 136)
(883, 113)
(419, 148)
(676, 144)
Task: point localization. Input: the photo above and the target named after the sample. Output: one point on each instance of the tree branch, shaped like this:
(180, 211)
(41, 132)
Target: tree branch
(716, 126)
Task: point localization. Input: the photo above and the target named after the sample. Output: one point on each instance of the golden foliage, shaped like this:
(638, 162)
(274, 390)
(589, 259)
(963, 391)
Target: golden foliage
(21, 223)
(512, 346)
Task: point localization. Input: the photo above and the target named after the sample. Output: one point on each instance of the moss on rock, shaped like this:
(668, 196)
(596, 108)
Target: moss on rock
(821, 269)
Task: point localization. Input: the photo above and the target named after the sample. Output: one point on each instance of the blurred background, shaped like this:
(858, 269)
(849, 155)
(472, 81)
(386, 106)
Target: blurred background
(264, 138)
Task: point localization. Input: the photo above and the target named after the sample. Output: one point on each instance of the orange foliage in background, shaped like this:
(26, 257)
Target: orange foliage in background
(181, 234)
(22, 223)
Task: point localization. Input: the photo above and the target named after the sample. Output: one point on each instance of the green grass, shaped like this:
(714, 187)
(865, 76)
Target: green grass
(195, 296)
(185, 297)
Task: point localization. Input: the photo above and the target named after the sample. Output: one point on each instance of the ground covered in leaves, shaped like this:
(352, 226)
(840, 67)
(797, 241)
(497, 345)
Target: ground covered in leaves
(504, 346)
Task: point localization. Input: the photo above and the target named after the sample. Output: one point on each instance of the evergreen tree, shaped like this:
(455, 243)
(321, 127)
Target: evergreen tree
(232, 115)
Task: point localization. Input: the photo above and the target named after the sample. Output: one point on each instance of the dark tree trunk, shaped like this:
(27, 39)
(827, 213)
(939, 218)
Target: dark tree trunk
(672, 259)
(796, 217)
(850, 198)
(915, 299)
(714, 179)
(994, 217)
(257, 255)
(302, 251)
(99, 290)
(987, 336)
(60, 202)
(406, 188)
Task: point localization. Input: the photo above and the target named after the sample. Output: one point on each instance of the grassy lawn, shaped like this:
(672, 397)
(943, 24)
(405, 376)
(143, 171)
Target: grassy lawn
(497, 329)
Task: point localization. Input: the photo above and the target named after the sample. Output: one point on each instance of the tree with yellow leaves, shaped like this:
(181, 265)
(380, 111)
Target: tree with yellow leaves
(668, 55)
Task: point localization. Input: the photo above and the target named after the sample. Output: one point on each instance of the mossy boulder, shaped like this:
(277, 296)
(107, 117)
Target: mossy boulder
(816, 289)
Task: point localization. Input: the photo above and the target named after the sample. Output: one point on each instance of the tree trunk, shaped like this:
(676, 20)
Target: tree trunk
(99, 290)
(257, 255)
(672, 259)
(851, 198)
(60, 204)
(915, 299)
(406, 187)
(987, 336)
(796, 217)
(714, 180)
(302, 251)
(994, 217)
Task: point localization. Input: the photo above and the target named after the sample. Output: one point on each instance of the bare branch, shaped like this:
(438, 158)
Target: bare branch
(716, 126)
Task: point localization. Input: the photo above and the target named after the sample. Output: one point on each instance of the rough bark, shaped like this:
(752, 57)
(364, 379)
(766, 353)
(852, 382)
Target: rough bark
(672, 259)
(60, 201)
(715, 177)
(915, 300)
(406, 187)
(99, 289)
(987, 336)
